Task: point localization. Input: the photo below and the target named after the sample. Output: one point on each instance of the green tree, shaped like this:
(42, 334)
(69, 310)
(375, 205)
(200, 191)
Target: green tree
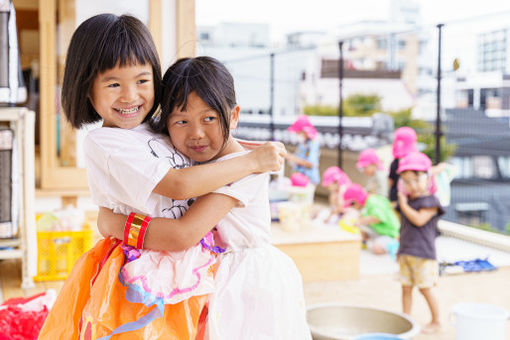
(362, 105)
(321, 110)
(355, 105)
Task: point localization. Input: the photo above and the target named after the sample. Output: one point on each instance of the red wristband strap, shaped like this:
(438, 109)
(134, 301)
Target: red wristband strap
(127, 227)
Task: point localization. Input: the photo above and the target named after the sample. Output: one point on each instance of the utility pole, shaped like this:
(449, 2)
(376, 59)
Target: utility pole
(438, 95)
(340, 108)
(271, 96)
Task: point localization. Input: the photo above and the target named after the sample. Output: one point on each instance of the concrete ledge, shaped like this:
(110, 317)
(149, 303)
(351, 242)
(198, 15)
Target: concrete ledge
(482, 237)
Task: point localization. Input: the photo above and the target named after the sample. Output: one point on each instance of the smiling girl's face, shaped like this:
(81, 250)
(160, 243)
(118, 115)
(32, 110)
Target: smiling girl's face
(196, 132)
(123, 96)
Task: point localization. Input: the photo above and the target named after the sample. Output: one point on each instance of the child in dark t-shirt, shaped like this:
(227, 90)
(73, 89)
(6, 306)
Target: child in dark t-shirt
(420, 211)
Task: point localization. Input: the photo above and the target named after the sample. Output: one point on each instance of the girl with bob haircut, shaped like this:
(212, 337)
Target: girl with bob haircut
(109, 40)
(113, 74)
(258, 290)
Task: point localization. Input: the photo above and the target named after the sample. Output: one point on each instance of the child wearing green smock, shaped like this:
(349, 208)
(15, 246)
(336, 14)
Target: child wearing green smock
(378, 222)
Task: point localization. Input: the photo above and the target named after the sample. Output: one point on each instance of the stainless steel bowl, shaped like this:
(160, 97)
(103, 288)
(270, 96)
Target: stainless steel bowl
(343, 322)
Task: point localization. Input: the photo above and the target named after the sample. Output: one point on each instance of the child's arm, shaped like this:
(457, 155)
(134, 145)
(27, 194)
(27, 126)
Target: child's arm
(299, 161)
(173, 234)
(417, 217)
(368, 220)
(183, 184)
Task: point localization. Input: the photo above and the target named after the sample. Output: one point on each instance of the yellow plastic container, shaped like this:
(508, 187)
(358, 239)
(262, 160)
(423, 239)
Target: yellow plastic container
(59, 250)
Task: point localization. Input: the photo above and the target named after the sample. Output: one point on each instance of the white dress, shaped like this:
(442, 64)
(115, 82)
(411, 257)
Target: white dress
(123, 167)
(259, 293)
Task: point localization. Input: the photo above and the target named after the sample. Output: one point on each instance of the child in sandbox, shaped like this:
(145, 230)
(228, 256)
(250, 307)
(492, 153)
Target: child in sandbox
(371, 166)
(336, 181)
(378, 223)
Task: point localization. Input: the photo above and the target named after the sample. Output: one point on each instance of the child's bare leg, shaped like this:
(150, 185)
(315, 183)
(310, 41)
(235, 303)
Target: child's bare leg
(378, 249)
(407, 299)
(431, 299)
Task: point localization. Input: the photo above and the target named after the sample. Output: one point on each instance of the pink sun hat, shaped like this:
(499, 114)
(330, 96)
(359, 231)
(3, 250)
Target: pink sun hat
(334, 174)
(355, 193)
(404, 142)
(303, 123)
(415, 161)
(298, 179)
(367, 157)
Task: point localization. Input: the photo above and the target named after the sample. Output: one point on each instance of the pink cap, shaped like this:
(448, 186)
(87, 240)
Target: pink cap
(298, 179)
(404, 142)
(303, 123)
(367, 157)
(415, 161)
(356, 193)
(334, 174)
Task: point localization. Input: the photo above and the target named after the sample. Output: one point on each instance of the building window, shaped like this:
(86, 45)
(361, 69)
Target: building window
(484, 167)
(492, 50)
(475, 167)
(401, 44)
(204, 36)
(473, 215)
(382, 44)
(463, 167)
(504, 166)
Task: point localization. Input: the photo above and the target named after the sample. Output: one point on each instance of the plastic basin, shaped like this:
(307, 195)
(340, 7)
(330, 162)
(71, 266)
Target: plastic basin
(343, 322)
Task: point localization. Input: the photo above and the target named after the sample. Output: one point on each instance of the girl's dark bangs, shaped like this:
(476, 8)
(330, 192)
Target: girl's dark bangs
(181, 93)
(134, 51)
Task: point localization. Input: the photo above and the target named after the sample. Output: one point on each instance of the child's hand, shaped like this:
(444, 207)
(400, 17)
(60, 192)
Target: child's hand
(402, 199)
(268, 157)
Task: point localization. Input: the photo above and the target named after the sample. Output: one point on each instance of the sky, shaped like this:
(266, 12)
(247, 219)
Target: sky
(285, 16)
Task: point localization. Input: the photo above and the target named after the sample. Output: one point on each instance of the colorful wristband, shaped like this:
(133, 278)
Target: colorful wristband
(135, 229)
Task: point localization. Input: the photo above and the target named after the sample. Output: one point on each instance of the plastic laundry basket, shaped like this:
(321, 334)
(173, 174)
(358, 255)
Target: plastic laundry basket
(475, 321)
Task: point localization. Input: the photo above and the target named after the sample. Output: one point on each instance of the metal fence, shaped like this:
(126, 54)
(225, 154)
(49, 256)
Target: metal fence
(449, 80)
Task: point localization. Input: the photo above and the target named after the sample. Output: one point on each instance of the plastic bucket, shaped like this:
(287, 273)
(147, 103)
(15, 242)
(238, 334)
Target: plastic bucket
(475, 321)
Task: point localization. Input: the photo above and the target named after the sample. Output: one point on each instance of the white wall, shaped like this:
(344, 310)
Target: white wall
(87, 8)
(169, 34)
(140, 9)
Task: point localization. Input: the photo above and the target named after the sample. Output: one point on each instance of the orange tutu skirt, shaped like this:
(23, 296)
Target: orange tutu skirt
(95, 304)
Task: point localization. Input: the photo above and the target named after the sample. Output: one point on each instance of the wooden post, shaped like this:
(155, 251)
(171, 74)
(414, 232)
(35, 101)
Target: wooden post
(186, 28)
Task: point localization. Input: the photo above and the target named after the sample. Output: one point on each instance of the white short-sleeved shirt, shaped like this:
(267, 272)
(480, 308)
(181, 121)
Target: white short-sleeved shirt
(123, 167)
(247, 224)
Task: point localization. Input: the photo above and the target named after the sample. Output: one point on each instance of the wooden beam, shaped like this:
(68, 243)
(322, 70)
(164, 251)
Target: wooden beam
(186, 28)
(25, 4)
(53, 175)
(155, 26)
(48, 80)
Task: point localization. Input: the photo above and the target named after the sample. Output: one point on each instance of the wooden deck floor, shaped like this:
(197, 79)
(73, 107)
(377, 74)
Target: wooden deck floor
(10, 281)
